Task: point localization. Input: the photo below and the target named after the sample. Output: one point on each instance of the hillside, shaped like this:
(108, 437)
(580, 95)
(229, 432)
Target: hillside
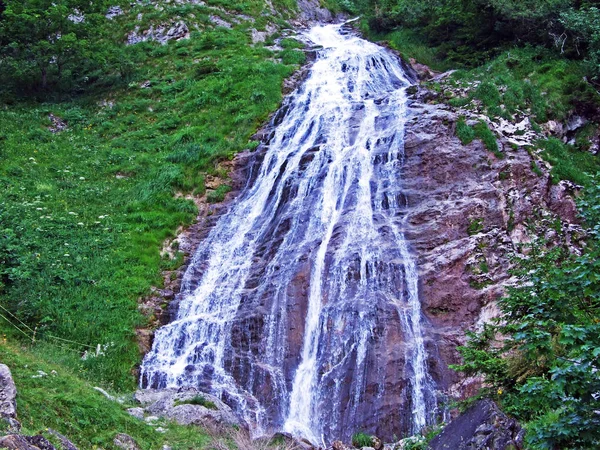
(119, 123)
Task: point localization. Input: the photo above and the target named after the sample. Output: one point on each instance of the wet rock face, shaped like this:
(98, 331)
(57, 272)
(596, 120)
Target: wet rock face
(481, 427)
(467, 212)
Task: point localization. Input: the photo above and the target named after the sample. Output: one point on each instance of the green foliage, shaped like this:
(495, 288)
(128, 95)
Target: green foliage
(567, 162)
(483, 132)
(56, 44)
(465, 133)
(475, 226)
(362, 440)
(57, 398)
(197, 400)
(84, 212)
(541, 361)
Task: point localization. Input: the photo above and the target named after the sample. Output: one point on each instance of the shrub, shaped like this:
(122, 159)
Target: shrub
(362, 440)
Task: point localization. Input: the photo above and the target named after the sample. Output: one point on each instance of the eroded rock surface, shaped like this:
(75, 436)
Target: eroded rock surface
(481, 427)
(468, 212)
(188, 406)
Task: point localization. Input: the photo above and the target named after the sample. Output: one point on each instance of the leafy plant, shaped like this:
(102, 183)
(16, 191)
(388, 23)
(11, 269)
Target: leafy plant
(362, 440)
(541, 360)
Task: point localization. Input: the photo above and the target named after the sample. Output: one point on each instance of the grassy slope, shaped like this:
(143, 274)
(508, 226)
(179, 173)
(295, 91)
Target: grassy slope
(84, 212)
(62, 401)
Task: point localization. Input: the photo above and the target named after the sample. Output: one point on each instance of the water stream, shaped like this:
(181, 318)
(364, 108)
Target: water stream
(301, 307)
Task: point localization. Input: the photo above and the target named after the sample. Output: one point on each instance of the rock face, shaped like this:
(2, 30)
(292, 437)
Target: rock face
(188, 406)
(463, 212)
(8, 394)
(468, 211)
(481, 427)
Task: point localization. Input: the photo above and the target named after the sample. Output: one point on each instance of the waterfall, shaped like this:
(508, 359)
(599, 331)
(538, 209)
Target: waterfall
(301, 308)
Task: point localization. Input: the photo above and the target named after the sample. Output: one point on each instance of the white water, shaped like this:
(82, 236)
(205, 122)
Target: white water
(332, 175)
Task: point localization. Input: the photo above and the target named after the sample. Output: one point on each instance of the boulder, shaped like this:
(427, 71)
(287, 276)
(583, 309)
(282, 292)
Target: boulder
(125, 442)
(177, 405)
(18, 442)
(481, 427)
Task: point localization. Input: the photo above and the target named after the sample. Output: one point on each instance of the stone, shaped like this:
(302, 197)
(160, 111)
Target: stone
(125, 442)
(8, 394)
(171, 404)
(138, 413)
(64, 441)
(481, 427)
(16, 442)
(377, 443)
(57, 125)
(113, 11)
(19, 442)
(423, 72)
(338, 445)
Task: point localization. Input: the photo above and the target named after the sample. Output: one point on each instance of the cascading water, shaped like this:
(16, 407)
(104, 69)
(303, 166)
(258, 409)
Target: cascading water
(301, 307)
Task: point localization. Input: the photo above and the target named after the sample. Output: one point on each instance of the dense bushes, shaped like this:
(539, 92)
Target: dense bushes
(541, 361)
(469, 32)
(55, 44)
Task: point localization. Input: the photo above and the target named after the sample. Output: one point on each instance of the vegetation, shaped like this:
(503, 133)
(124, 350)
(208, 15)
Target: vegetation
(197, 400)
(362, 440)
(89, 183)
(541, 360)
(51, 396)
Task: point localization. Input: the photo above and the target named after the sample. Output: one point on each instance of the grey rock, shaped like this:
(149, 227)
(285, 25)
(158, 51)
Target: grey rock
(576, 122)
(8, 394)
(481, 427)
(64, 441)
(125, 442)
(138, 413)
(170, 404)
(162, 33)
(113, 11)
(18, 442)
(217, 21)
(312, 12)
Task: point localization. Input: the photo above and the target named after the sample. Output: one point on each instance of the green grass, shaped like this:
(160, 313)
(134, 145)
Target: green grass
(60, 400)
(362, 440)
(84, 213)
(410, 45)
(568, 163)
(481, 131)
(197, 400)
(530, 80)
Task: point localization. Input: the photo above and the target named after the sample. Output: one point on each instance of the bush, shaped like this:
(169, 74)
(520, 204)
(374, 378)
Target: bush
(362, 440)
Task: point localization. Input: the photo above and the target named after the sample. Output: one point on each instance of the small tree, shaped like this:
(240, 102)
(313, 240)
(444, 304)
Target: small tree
(47, 41)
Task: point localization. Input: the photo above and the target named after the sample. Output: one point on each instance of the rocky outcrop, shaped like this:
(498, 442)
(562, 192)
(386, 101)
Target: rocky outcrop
(160, 33)
(125, 442)
(8, 394)
(481, 427)
(19, 442)
(187, 406)
(8, 399)
(469, 210)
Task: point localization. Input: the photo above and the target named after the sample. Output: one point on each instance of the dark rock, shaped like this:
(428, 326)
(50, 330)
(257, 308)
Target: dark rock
(481, 427)
(18, 442)
(125, 442)
(40, 442)
(64, 441)
(58, 124)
